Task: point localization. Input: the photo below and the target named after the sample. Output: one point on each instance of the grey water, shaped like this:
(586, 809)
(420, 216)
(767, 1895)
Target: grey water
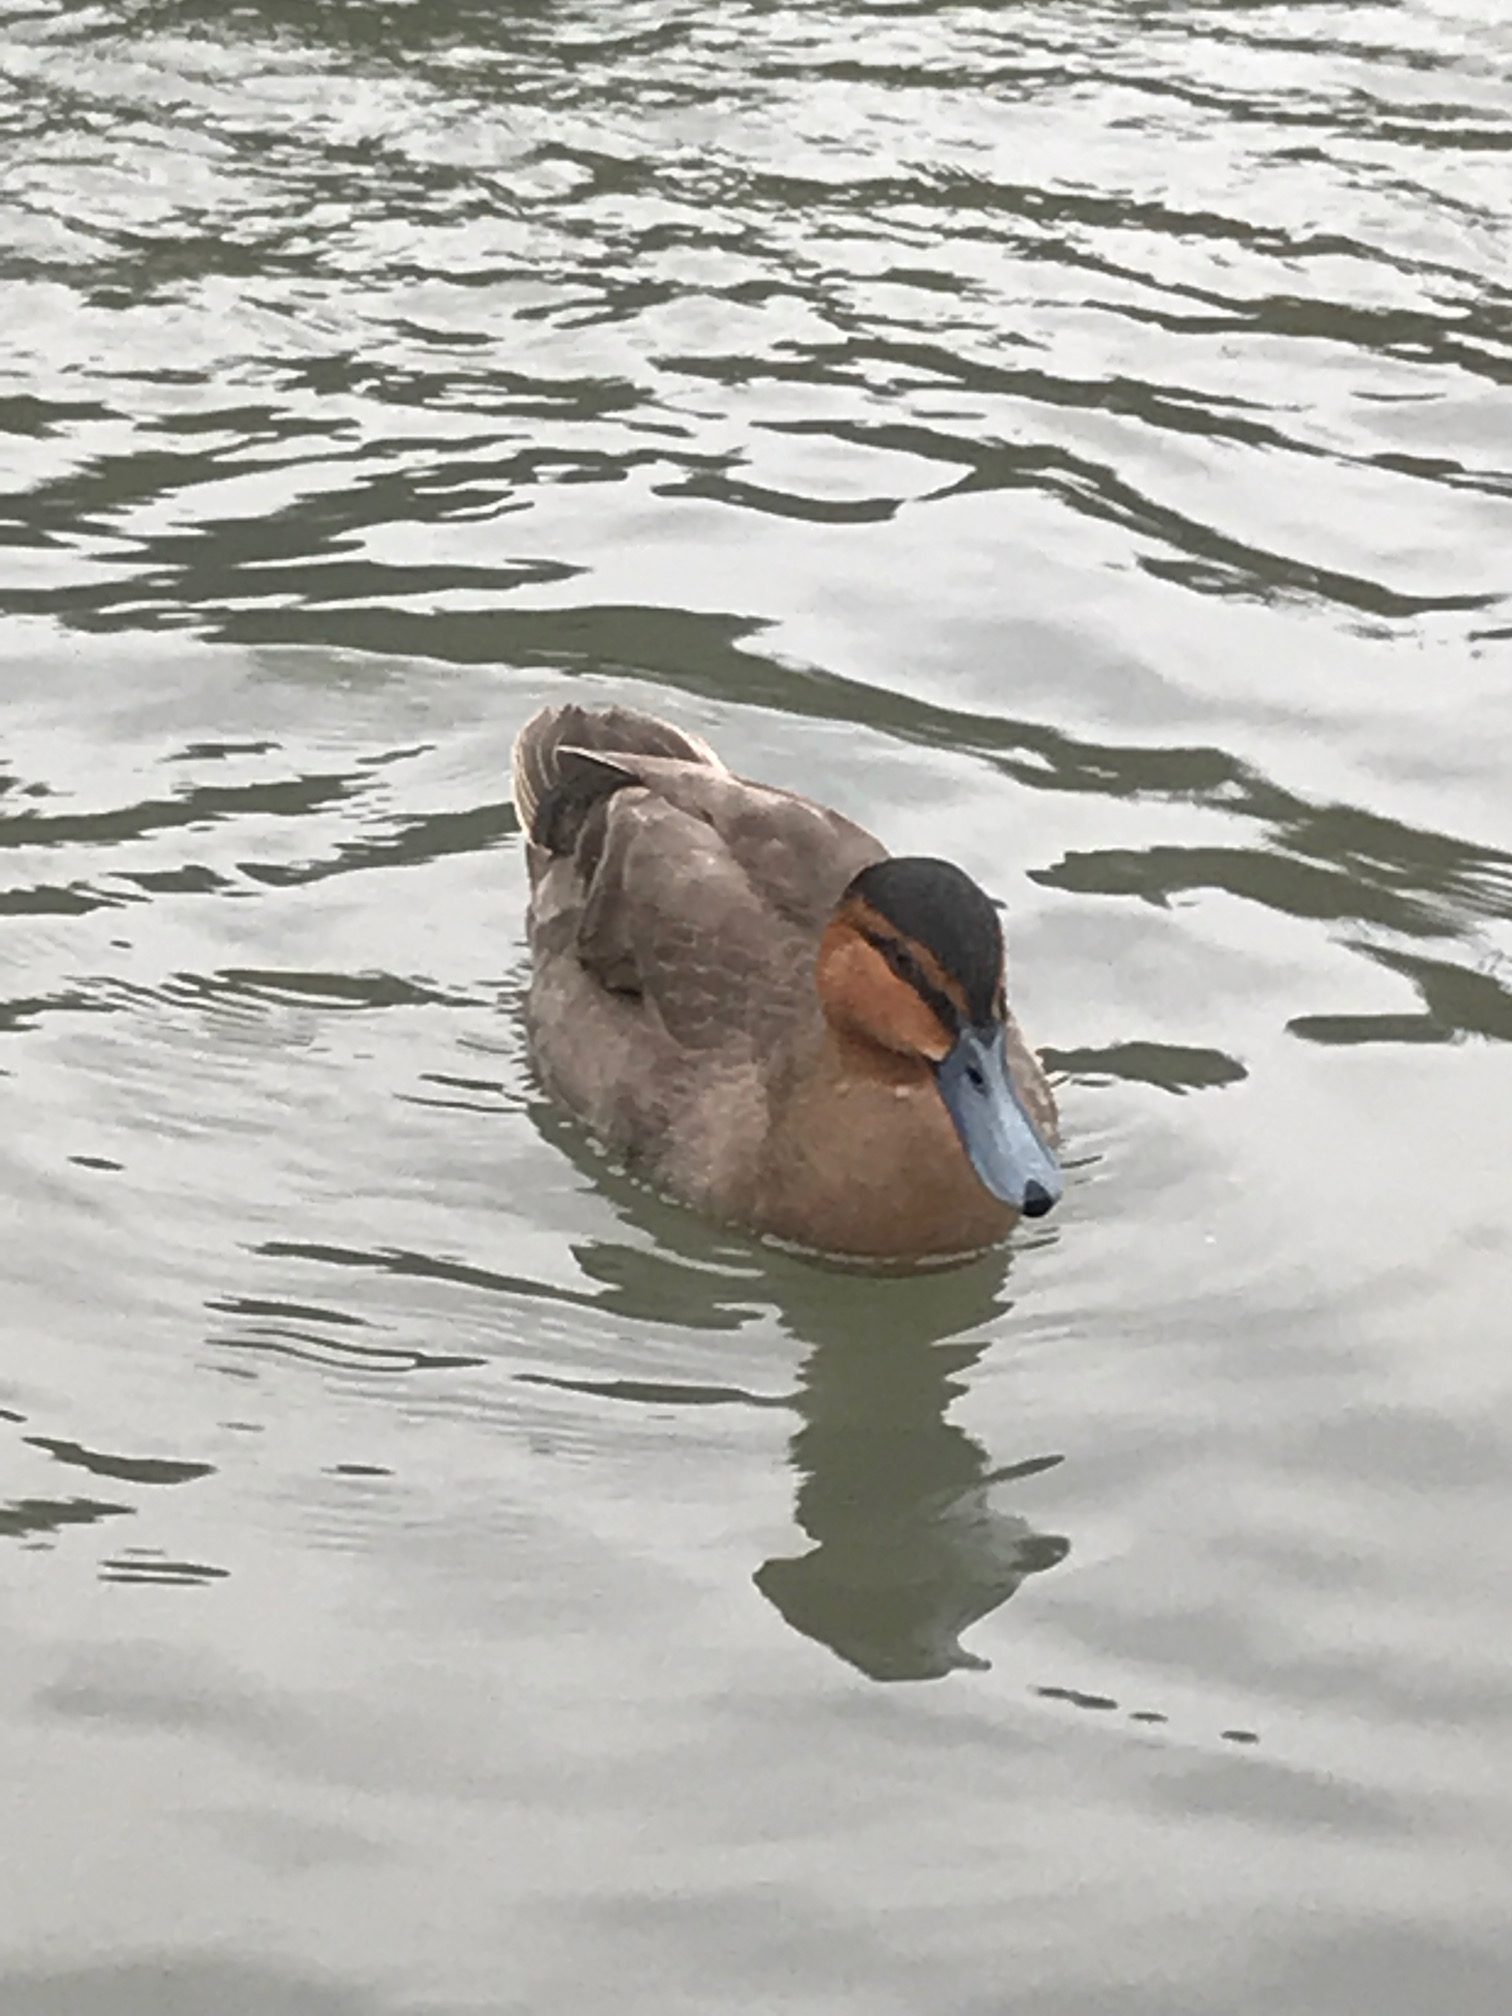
(436, 1575)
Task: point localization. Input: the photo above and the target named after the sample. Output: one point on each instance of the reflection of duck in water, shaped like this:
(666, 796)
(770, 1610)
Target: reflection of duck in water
(911, 1543)
(743, 994)
(912, 1540)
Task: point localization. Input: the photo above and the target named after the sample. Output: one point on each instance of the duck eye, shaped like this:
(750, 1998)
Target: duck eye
(902, 961)
(975, 1079)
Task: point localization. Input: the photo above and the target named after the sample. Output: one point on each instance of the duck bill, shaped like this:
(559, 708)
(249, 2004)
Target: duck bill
(1005, 1147)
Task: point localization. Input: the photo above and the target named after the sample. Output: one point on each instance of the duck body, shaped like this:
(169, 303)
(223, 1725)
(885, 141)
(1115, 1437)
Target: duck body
(720, 993)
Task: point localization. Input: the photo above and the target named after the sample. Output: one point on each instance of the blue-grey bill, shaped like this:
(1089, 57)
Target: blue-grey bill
(1006, 1148)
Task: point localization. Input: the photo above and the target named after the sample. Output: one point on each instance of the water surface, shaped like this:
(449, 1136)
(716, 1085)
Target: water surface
(439, 1577)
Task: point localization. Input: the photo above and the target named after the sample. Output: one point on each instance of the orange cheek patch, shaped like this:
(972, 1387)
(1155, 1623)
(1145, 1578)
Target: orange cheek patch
(861, 993)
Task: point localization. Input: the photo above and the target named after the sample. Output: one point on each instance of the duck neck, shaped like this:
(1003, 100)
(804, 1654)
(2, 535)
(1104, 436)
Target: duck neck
(864, 1158)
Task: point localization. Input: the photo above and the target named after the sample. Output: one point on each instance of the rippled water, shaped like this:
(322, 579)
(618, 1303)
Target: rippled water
(439, 1577)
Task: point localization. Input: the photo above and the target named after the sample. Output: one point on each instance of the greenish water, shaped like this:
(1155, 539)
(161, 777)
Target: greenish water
(438, 1577)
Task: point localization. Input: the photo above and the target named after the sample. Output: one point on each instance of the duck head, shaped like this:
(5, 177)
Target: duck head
(913, 961)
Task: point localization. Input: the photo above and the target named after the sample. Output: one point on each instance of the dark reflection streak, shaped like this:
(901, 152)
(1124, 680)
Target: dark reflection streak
(24, 1014)
(137, 1566)
(425, 1267)
(1457, 1002)
(386, 758)
(1456, 998)
(43, 419)
(1175, 407)
(1173, 1067)
(499, 394)
(179, 600)
(931, 74)
(23, 1516)
(1408, 335)
(83, 499)
(242, 986)
(1342, 1030)
(1076, 1698)
(280, 798)
(323, 990)
(657, 1393)
(300, 1312)
(74, 899)
(431, 836)
(1280, 881)
(219, 752)
(1432, 469)
(130, 1469)
(186, 881)
(452, 1105)
(254, 426)
(723, 489)
(333, 1354)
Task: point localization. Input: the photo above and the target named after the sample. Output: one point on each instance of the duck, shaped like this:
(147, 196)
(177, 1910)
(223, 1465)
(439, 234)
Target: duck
(754, 1006)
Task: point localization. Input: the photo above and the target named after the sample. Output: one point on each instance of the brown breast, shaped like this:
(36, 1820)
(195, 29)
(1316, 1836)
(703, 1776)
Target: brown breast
(862, 1159)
